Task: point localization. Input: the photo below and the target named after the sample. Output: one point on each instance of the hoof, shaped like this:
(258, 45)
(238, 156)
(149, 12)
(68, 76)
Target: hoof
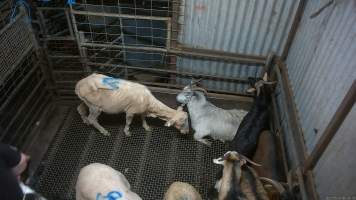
(206, 142)
(149, 129)
(86, 121)
(127, 133)
(105, 132)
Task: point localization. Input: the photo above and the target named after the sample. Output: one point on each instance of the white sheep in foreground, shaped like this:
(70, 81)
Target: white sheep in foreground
(98, 181)
(112, 95)
(181, 190)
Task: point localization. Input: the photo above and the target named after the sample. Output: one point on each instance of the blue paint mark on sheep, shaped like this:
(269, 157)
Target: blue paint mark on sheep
(112, 83)
(113, 195)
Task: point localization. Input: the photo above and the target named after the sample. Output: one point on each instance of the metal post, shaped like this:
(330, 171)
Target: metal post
(297, 17)
(332, 128)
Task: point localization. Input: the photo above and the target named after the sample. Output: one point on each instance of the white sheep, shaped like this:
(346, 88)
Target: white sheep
(111, 95)
(179, 190)
(98, 181)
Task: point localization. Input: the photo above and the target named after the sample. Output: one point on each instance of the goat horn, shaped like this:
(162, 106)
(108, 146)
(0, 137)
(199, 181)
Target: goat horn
(196, 81)
(250, 161)
(275, 184)
(269, 82)
(200, 89)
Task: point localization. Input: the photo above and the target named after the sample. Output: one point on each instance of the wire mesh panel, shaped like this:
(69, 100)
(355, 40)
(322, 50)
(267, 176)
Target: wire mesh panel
(5, 11)
(23, 90)
(135, 40)
(150, 161)
(15, 43)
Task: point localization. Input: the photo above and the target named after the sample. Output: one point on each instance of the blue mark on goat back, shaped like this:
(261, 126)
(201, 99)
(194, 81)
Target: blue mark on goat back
(112, 83)
(113, 195)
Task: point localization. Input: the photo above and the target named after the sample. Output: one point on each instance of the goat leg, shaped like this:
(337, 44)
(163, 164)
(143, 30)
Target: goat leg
(144, 123)
(129, 118)
(82, 110)
(199, 137)
(94, 112)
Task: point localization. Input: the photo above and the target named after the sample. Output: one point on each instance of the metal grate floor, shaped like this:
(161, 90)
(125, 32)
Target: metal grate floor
(150, 161)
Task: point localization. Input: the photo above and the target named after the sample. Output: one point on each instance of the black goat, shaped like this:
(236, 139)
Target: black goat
(256, 120)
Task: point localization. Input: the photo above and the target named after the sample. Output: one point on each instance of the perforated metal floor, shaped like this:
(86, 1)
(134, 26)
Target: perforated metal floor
(150, 161)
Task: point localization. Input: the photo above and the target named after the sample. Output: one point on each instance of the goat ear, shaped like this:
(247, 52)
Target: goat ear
(169, 123)
(251, 90)
(265, 76)
(180, 108)
(219, 161)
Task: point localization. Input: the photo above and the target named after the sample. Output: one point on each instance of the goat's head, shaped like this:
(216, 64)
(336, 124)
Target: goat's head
(258, 85)
(179, 121)
(188, 91)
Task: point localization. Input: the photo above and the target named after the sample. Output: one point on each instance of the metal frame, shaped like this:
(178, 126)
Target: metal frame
(303, 172)
(336, 121)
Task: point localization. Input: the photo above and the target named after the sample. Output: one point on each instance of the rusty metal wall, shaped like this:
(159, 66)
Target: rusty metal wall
(246, 26)
(322, 66)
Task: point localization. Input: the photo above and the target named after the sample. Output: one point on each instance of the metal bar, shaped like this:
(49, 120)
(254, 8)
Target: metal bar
(11, 23)
(164, 85)
(192, 52)
(293, 30)
(69, 23)
(219, 55)
(302, 186)
(51, 8)
(45, 51)
(297, 133)
(258, 58)
(63, 56)
(174, 24)
(78, 40)
(197, 75)
(116, 46)
(332, 128)
(279, 134)
(61, 32)
(21, 108)
(32, 115)
(167, 85)
(49, 38)
(155, 89)
(300, 148)
(19, 85)
(17, 62)
(168, 39)
(310, 183)
(104, 48)
(123, 40)
(119, 15)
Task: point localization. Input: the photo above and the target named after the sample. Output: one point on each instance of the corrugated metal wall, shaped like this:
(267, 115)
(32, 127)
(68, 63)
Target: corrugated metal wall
(245, 26)
(322, 67)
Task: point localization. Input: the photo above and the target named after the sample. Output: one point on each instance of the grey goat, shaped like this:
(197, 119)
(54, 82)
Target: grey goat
(206, 118)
